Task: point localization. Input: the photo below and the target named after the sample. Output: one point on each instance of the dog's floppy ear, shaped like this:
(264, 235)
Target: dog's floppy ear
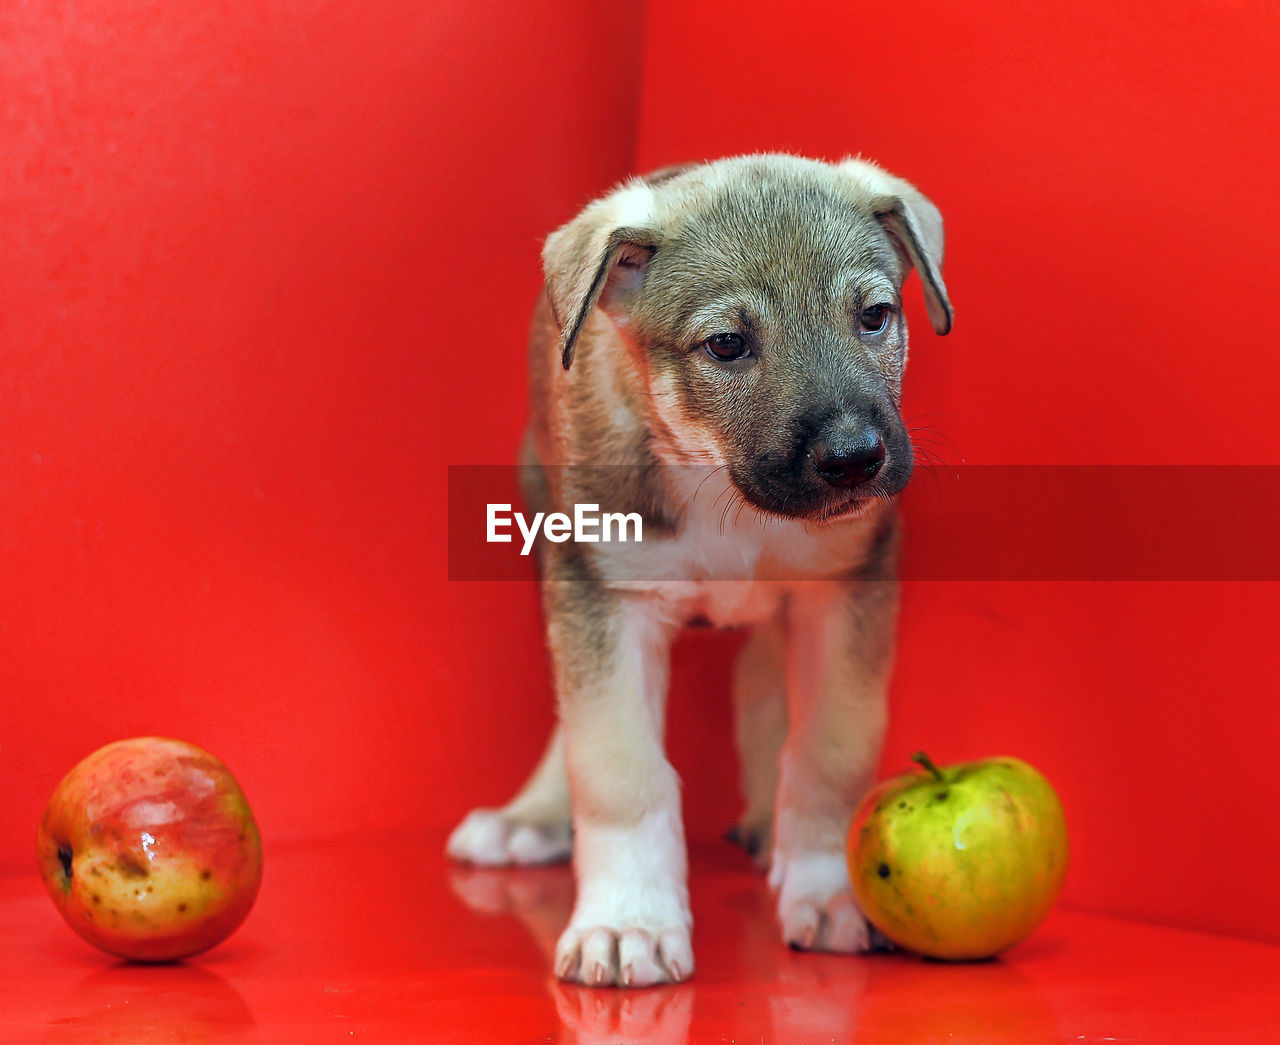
(915, 226)
(599, 258)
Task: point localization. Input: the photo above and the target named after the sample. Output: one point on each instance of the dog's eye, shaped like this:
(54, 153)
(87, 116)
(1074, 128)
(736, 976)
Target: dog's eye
(873, 320)
(726, 347)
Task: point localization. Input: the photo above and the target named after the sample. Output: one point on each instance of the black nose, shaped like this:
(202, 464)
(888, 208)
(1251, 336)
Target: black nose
(848, 457)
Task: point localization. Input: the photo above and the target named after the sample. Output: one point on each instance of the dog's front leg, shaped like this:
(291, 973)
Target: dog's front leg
(631, 923)
(839, 649)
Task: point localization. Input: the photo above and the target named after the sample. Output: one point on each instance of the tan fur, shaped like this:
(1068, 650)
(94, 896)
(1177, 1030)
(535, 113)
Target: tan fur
(724, 459)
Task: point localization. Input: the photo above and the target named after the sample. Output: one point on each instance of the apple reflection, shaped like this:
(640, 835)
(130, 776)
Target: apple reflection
(179, 1003)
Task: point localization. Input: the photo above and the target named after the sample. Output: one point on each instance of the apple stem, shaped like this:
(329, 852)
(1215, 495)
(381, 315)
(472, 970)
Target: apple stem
(927, 762)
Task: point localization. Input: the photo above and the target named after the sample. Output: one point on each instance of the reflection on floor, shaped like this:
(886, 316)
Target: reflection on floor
(378, 937)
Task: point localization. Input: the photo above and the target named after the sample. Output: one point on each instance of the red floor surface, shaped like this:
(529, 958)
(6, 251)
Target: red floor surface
(378, 938)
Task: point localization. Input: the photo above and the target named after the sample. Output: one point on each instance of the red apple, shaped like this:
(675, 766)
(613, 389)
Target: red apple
(149, 849)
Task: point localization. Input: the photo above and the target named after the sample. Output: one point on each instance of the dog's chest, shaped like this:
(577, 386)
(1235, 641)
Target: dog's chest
(734, 567)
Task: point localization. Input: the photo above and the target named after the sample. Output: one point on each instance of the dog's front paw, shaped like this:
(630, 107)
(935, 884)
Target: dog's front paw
(634, 956)
(492, 838)
(631, 924)
(627, 930)
(816, 909)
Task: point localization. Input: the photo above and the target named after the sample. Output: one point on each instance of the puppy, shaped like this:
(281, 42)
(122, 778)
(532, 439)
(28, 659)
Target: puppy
(720, 348)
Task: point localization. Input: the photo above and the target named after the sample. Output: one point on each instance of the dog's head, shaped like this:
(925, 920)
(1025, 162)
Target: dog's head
(762, 298)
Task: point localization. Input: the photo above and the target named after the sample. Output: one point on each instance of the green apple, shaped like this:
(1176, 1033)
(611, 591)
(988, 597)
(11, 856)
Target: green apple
(961, 862)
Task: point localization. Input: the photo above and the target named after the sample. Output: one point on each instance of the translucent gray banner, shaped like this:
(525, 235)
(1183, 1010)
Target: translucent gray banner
(979, 522)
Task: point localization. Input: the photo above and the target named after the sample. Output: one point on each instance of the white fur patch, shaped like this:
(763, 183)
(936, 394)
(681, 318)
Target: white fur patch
(632, 205)
(490, 838)
(730, 562)
(816, 908)
(631, 925)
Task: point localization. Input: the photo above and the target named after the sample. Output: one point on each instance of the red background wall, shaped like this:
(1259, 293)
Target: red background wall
(267, 272)
(1106, 175)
